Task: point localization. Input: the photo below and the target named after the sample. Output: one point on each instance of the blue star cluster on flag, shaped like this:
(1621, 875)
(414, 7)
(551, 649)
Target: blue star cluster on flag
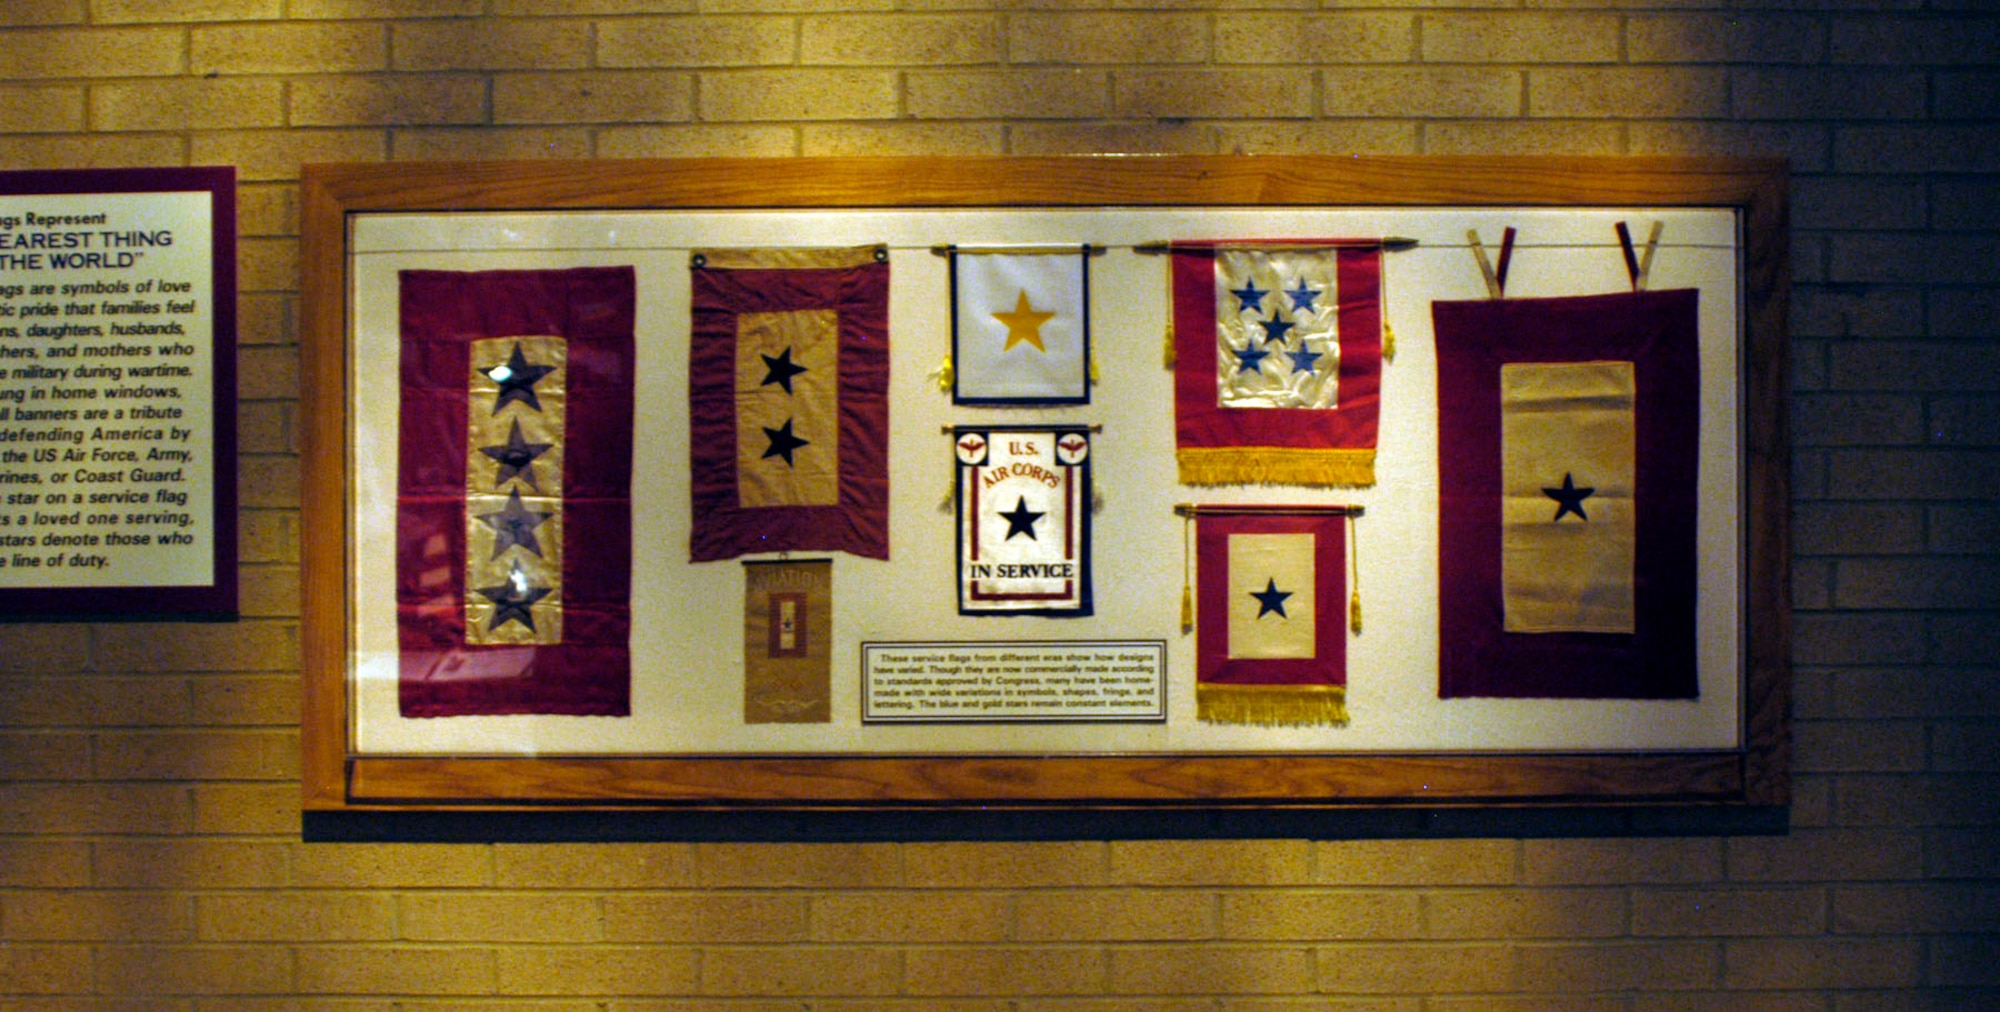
(1276, 324)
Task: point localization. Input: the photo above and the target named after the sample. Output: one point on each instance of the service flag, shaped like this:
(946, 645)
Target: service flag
(1277, 361)
(513, 509)
(787, 641)
(788, 401)
(1020, 326)
(1568, 452)
(1271, 639)
(1023, 521)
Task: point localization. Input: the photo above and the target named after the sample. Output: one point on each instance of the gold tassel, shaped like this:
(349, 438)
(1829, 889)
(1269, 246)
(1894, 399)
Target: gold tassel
(1187, 580)
(1353, 578)
(944, 375)
(1388, 329)
(1093, 370)
(1169, 352)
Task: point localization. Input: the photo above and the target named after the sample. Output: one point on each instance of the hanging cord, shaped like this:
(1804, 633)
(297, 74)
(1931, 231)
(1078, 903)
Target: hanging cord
(1353, 578)
(1187, 577)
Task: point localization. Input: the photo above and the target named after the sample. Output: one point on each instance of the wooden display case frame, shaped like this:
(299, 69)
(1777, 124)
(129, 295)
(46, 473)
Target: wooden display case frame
(336, 777)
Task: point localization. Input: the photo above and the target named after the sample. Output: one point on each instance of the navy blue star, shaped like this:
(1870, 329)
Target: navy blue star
(1303, 359)
(1250, 359)
(1274, 330)
(1271, 599)
(1022, 520)
(514, 524)
(1569, 498)
(780, 370)
(1302, 296)
(517, 380)
(1249, 296)
(516, 459)
(783, 442)
(513, 600)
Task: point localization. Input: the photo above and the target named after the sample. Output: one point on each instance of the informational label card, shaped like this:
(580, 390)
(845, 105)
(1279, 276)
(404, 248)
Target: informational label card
(117, 393)
(955, 682)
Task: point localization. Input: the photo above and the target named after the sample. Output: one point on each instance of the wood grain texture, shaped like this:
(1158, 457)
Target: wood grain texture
(334, 778)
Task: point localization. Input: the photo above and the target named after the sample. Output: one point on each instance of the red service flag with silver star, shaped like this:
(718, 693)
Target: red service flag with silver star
(513, 509)
(1568, 456)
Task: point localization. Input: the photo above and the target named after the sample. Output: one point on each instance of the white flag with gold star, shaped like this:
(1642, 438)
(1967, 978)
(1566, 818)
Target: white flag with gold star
(1021, 326)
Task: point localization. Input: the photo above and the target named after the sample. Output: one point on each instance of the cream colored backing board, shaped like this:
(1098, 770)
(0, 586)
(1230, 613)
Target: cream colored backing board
(687, 663)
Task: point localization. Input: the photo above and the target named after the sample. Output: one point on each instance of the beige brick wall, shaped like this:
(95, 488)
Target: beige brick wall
(149, 825)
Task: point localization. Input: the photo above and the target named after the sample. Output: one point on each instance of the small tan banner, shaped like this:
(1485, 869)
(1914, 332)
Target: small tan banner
(787, 653)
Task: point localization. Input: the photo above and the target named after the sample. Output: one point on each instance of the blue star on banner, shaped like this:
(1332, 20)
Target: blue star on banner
(514, 524)
(1569, 498)
(1249, 296)
(516, 458)
(514, 599)
(1271, 599)
(1303, 296)
(1303, 358)
(782, 441)
(780, 369)
(1250, 359)
(1275, 330)
(1021, 520)
(517, 380)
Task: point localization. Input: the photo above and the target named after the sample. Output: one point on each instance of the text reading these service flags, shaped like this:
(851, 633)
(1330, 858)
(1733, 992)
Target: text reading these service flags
(513, 508)
(1271, 640)
(788, 401)
(1277, 361)
(1568, 450)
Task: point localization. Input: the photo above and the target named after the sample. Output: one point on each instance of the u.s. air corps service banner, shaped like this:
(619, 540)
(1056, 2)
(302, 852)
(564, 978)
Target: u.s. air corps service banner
(1020, 325)
(1567, 469)
(1023, 521)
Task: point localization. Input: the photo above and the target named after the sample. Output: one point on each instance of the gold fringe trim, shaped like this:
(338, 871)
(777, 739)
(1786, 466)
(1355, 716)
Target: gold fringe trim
(787, 259)
(1272, 705)
(1388, 342)
(1253, 465)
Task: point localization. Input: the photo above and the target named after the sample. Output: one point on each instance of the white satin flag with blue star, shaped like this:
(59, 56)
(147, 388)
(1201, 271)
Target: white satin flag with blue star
(1021, 327)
